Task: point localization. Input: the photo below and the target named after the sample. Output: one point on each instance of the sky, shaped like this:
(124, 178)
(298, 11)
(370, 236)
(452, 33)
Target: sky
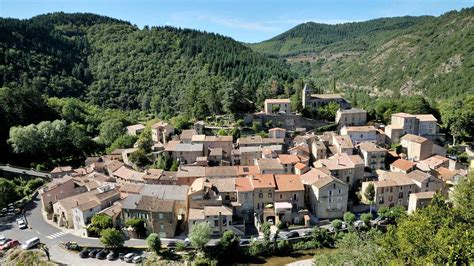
(244, 20)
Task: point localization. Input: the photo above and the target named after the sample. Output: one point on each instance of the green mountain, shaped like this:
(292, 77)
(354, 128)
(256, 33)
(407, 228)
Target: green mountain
(112, 63)
(429, 56)
(313, 37)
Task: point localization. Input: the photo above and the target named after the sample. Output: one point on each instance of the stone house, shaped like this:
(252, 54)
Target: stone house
(275, 106)
(417, 148)
(325, 195)
(351, 117)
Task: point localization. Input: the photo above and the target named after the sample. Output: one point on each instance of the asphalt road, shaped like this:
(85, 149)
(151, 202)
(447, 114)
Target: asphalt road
(52, 237)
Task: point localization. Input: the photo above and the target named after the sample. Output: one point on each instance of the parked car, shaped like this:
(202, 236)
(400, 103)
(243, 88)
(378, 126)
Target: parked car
(121, 255)
(112, 255)
(101, 255)
(31, 243)
(84, 253)
(21, 224)
(137, 259)
(244, 242)
(359, 223)
(4, 210)
(292, 234)
(187, 242)
(129, 257)
(93, 252)
(171, 244)
(4, 240)
(270, 221)
(274, 237)
(379, 221)
(10, 244)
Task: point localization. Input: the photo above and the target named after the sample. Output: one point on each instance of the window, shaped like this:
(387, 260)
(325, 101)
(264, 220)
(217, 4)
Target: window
(295, 197)
(391, 189)
(427, 184)
(270, 195)
(260, 195)
(330, 193)
(400, 194)
(281, 196)
(162, 227)
(160, 215)
(381, 200)
(216, 223)
(390, 198)
(333, 185)
(339, 191)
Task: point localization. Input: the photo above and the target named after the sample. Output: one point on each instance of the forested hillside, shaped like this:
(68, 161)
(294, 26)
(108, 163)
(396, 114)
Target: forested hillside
(429, 56)
(314, 37)
(109, 63)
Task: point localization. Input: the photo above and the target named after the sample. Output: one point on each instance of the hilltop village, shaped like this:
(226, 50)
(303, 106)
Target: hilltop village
(291, 175)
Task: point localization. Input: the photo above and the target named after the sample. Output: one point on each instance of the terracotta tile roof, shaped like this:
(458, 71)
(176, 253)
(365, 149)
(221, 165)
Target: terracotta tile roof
(277, 101)
(196, 214)
(327, 96)
(288, 159)
(219, 138)
(170, 145)
(198, 138)
(423, 195)
(314, 174)
(216, 210)
(288, 183)
(131, 188)
(400, 179)
(352, 111)
(403, 164)
(370, 147)
(224, 184)
(344, 142)
(339, 162)
(300, 166)
(418, 176)
(135, 127)
(320, 183)
(61, 169)
(243, 184)
(113, 210)
(244, 170)
(359, 128)
(269, 164)
(113, 165)
(262, 181)
(427, 118)
(403, 115)
(277, 129)
(129, 174)
(435, 161)
(221, 171)
(153, 174)
(187, 134)
(414, 138)
(191, 171)
(250, 140)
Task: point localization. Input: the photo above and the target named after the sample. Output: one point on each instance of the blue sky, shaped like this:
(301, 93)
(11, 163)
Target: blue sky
(244, 20)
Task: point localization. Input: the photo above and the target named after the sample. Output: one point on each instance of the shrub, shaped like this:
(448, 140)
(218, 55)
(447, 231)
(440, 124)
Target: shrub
(282, 225)
(154, 243)
(112, 238)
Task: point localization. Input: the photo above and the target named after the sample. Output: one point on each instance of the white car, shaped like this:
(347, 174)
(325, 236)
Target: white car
(21, 224)
(137, 259)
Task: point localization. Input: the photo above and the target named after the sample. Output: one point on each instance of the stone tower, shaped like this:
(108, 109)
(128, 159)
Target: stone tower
(306, 96)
